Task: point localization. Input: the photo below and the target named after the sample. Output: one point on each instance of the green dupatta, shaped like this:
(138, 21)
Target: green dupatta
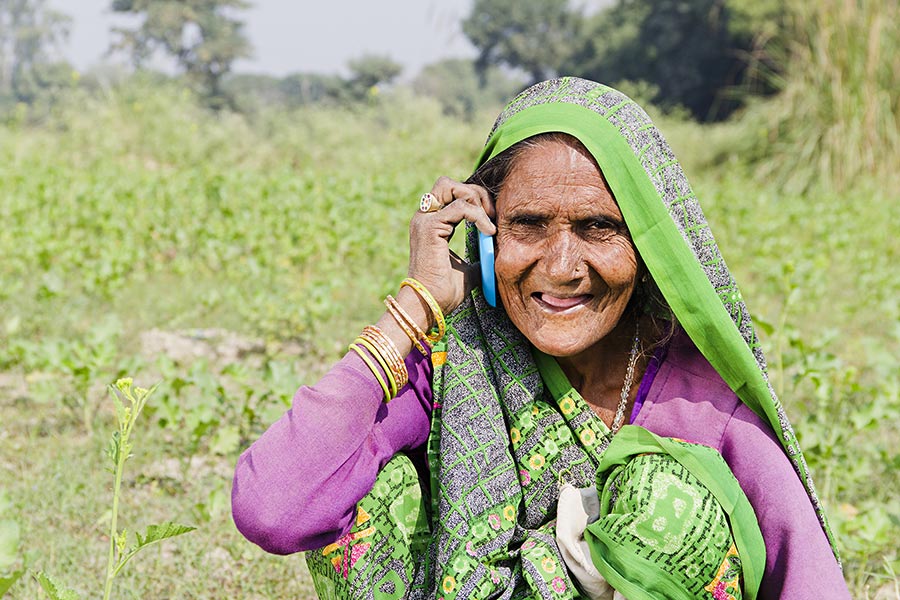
(501, 443)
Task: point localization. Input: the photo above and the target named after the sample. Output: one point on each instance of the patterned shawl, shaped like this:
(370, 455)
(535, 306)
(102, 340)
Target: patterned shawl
(501, 443)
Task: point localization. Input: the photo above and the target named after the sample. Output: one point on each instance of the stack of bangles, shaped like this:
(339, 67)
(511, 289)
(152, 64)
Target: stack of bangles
(373, 341)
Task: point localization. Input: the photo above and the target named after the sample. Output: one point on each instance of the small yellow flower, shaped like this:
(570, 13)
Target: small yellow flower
(509, 513)
(536, 461)
(449, 584)
(515, 435)
(566, 405)
(548, 565)
(587, 437)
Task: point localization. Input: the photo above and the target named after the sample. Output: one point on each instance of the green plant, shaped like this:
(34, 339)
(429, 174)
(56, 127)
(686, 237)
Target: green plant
(9, 547)
(838, 116)
(129, 403)
(119, 451)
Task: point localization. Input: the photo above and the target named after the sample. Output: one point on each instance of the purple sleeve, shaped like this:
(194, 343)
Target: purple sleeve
(297, 486)
(799, 560)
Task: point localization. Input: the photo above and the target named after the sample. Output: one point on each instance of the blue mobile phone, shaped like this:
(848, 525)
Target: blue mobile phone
(486, 256)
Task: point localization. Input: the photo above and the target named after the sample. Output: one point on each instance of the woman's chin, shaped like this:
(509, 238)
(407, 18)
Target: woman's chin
(559, 346)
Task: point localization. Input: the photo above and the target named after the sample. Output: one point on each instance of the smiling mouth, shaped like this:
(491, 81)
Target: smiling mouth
(557, 304)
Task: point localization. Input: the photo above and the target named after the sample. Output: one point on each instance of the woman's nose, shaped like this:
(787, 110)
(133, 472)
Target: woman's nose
(562, 258)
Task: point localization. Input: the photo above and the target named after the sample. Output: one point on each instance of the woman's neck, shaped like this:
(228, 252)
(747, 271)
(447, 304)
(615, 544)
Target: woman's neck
(599, 372)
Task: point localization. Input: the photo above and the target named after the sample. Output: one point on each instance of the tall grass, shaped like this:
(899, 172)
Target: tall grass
(838, 116)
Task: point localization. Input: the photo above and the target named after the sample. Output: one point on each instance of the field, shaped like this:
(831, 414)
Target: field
(231, 259)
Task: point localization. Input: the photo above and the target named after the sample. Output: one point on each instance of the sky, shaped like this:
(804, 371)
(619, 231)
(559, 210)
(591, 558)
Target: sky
(306, 35)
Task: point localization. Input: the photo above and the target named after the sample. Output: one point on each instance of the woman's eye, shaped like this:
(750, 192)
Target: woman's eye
(601, 225)
(527, 221)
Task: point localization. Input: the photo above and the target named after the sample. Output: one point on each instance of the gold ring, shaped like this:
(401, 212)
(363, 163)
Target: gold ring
(429, 203)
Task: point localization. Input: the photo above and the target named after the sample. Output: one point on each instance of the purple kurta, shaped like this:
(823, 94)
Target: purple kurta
(296, 488)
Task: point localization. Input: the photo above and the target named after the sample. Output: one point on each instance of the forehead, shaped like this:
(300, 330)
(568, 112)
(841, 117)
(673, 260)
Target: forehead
(556, 174)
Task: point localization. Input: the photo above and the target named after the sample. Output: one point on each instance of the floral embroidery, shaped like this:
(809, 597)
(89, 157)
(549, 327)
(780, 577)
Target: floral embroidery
(494, 521)
(548, 565)
(587, 437)
(524, 476)
(550, 448)
(727, 583)
(559, 586)
(514, 435)
(352, 552)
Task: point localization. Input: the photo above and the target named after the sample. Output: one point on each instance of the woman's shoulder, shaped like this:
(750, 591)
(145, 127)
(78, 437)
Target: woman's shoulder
(688, 398)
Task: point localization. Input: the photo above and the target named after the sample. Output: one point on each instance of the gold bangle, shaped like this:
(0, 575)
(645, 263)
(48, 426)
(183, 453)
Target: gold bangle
(432, 304)
(389, 352)
(374, 350)
(372, 368)
(409, 327)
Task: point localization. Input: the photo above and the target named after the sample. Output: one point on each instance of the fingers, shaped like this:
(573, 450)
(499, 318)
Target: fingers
(447, 191)
(446, 219)
(471, 272)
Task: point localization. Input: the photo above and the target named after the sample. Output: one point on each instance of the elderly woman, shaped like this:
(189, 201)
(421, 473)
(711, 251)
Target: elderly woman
(606, 429)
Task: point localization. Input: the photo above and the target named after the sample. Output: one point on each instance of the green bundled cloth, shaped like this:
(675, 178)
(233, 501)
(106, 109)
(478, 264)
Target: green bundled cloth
(670, 522)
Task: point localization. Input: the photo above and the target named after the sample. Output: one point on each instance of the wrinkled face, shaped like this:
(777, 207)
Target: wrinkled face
(565, 264)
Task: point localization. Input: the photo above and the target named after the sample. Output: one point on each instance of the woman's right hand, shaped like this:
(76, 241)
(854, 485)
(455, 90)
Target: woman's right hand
(431, 262)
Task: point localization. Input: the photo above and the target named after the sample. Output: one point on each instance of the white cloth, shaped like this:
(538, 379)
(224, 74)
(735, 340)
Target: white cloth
(577, 508)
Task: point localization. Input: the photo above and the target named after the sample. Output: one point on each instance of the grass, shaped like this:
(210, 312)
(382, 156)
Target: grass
(838, 116)
(233, 259)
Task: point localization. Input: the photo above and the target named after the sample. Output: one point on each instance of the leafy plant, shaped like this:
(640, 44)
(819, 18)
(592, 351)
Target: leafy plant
(129, 402)
(9, 547)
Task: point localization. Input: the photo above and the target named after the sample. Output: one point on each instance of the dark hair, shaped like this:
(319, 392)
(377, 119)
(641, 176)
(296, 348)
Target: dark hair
(647, 300)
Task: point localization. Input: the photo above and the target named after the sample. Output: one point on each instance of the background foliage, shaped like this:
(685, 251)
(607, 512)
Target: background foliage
(231, 254)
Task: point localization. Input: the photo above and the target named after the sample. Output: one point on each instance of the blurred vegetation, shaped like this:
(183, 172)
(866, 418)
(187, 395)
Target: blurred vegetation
(232, 253)
(204, 37)
(532, 35)
(30, 36)
(838, 113)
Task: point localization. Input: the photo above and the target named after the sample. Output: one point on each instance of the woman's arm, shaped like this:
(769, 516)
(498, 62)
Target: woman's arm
(799, 560)
(297, 486)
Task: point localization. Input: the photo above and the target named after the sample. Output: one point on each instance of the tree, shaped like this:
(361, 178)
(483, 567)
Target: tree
(201, 35)
(368, 71)
(30, 35)
(454, 83)
(693, 52)
(536, 36)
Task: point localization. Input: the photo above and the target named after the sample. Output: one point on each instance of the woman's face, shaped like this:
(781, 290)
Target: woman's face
(565, 263)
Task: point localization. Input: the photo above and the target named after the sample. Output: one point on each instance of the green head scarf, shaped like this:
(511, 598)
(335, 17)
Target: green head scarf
(507, 432)
(667, 227)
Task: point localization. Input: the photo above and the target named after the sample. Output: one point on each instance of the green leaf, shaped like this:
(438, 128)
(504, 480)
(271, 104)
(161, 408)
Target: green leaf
(121, 540)
(225, 441)
(9, 543)
(7, 581)
(55, 590)
(154, 533)
(157, 533)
